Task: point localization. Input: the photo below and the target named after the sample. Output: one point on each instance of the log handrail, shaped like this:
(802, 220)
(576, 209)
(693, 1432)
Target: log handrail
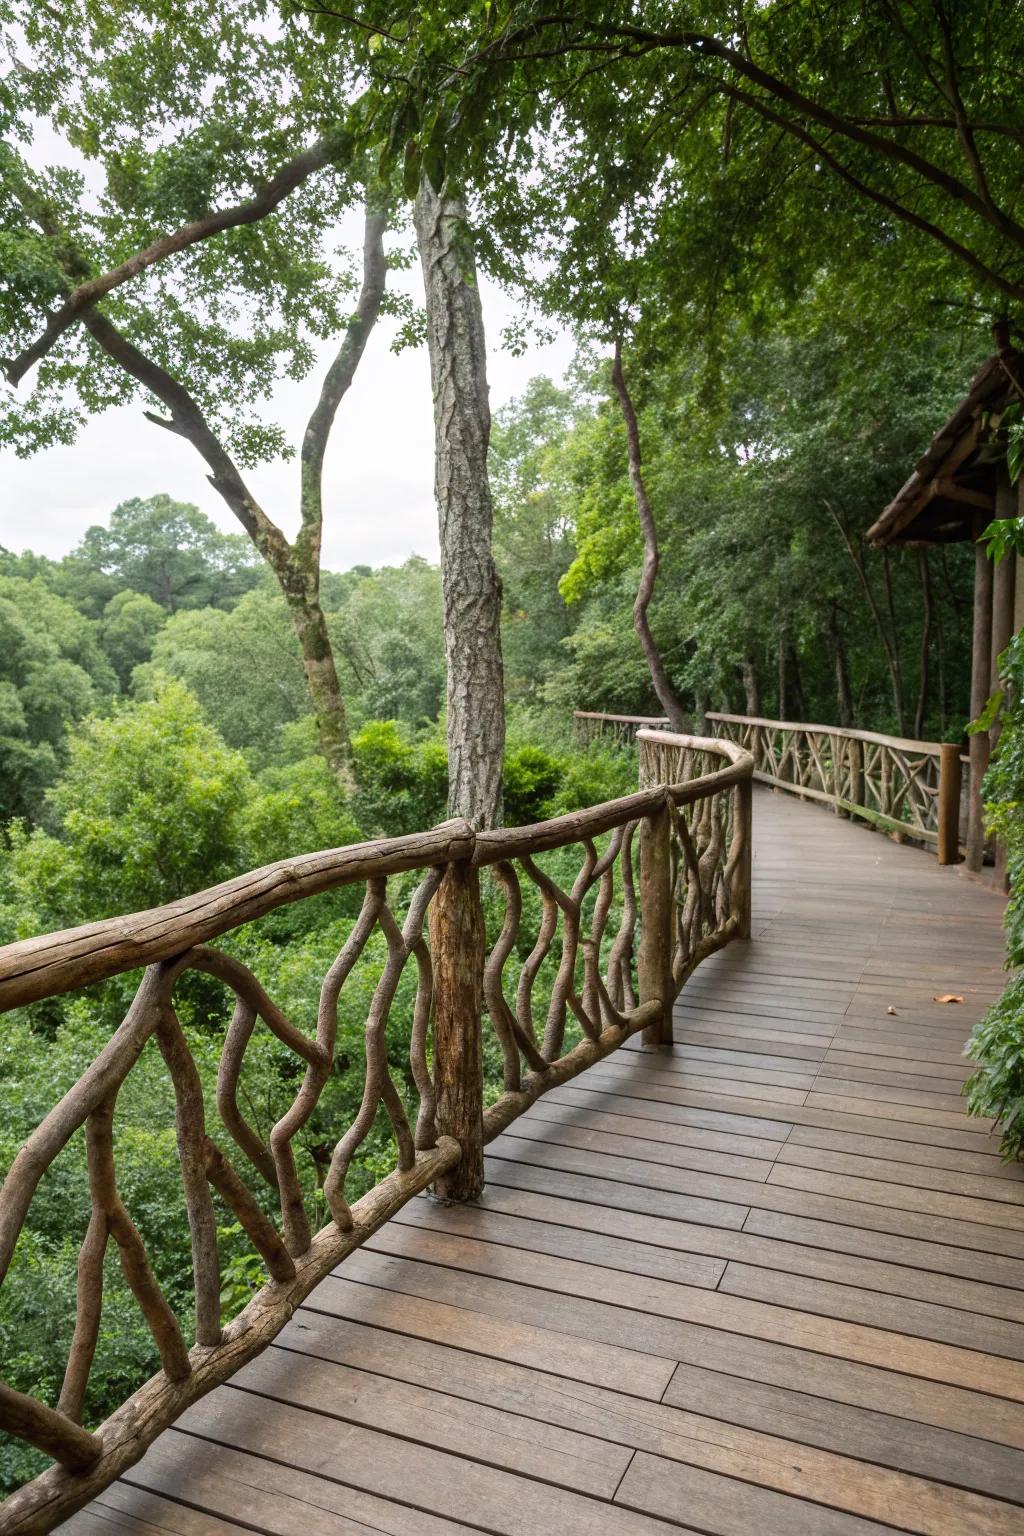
(849, 733)
(621, 947)
(912, 790)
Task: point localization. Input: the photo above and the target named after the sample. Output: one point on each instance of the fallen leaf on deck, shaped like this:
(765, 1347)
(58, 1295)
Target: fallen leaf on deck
(948, 997)
(891, 1009)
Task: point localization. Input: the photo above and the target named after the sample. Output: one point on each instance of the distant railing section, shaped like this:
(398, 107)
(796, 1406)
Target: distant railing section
(663, 880)
(620, 730)
(913, 790)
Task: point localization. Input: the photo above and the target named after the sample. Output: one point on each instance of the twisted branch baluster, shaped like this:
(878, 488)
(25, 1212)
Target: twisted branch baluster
(294, 1220)
(161, 1321)
(190, 1127)
(378, 1087)
(619, 981)
(416, 945)
(515, 1035)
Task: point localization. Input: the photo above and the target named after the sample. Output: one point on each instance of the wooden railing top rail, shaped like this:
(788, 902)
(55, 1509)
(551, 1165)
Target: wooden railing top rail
(52, 963)
(596, 714)
(848, 733)
(876, 738)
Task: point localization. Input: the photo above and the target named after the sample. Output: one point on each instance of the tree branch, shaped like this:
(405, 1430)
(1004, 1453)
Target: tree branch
(704, 46)
(187, 420)
(338, 378)
(897, 209)
(667, 695)
(284, 182)
(965, 133)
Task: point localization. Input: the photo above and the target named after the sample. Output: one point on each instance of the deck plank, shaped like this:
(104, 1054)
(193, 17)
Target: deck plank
(772, 1279)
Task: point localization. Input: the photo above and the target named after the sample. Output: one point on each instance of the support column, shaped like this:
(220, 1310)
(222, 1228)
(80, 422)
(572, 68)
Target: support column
(981, 677)
(949, 803)
(1004, 582)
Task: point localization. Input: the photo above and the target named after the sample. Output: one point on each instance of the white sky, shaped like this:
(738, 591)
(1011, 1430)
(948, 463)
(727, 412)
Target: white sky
(379, 504)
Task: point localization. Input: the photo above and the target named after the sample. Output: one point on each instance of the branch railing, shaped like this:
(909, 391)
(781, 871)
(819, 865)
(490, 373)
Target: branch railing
(913, 790)
(663, 880)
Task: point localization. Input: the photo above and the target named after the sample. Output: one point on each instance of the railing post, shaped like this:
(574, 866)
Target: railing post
(654, 963)
(856, 795)
(457, 952)
(949, 803)
(742, 879)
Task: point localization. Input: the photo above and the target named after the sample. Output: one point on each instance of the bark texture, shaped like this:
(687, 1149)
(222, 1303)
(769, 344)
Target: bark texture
(668, 698)
(470, 584)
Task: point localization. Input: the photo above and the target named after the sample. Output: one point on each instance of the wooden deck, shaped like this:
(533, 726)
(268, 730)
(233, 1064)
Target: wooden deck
(771, 1282)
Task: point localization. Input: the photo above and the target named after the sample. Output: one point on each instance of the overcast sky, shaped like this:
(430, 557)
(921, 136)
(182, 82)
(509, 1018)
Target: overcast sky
(379, 472)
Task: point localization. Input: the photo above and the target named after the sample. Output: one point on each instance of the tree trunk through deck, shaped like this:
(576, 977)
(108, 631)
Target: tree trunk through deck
(457, 947)
(981, 663)
(470, 584)
(669, 699)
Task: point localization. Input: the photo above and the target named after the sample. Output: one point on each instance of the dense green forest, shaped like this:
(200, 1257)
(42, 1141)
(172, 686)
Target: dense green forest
(779, 250)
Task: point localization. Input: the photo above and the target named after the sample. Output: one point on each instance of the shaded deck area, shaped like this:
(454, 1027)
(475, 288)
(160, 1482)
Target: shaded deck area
(771, 1282)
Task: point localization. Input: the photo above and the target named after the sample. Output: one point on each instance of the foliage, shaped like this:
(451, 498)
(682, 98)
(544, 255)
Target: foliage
(171, 553)
(996, 1088)
(52, 673)
(147, 810)
(403, 782)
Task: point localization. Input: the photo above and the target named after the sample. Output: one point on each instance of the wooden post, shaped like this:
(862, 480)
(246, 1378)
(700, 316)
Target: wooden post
(837, 774)
(457, 951)
(981, 673)
(742, 878)
(949, 803)
(1004, 581)
(657, 918)
(856, 795)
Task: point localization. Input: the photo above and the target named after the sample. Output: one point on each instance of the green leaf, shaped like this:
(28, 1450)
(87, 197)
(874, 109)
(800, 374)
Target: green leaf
(988, 716)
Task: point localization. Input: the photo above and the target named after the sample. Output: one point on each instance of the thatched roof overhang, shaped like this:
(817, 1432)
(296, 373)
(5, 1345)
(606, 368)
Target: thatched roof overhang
(955, 479)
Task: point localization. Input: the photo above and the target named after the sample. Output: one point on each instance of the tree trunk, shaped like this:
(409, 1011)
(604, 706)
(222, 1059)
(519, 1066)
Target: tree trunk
(844, 697)
(887, 642)
(895, 663)
(669, 699)
(469, 580)
(793, 664)
(310, 624)
(751, 689)
(783, 698)
(926, 643)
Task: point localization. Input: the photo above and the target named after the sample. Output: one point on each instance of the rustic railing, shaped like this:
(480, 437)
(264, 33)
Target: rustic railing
(914, 790)
(621, 730)
(617, 947)
(911, 789)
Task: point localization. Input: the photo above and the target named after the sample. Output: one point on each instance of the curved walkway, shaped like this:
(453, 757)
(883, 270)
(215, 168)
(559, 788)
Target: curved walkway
(772, 1281)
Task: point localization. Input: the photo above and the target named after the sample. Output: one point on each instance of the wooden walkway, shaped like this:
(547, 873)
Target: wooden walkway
(771, 1282)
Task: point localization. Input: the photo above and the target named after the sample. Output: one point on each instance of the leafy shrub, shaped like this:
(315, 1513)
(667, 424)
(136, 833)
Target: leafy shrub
(403, 784)
(996, 1088)
(531, 778)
